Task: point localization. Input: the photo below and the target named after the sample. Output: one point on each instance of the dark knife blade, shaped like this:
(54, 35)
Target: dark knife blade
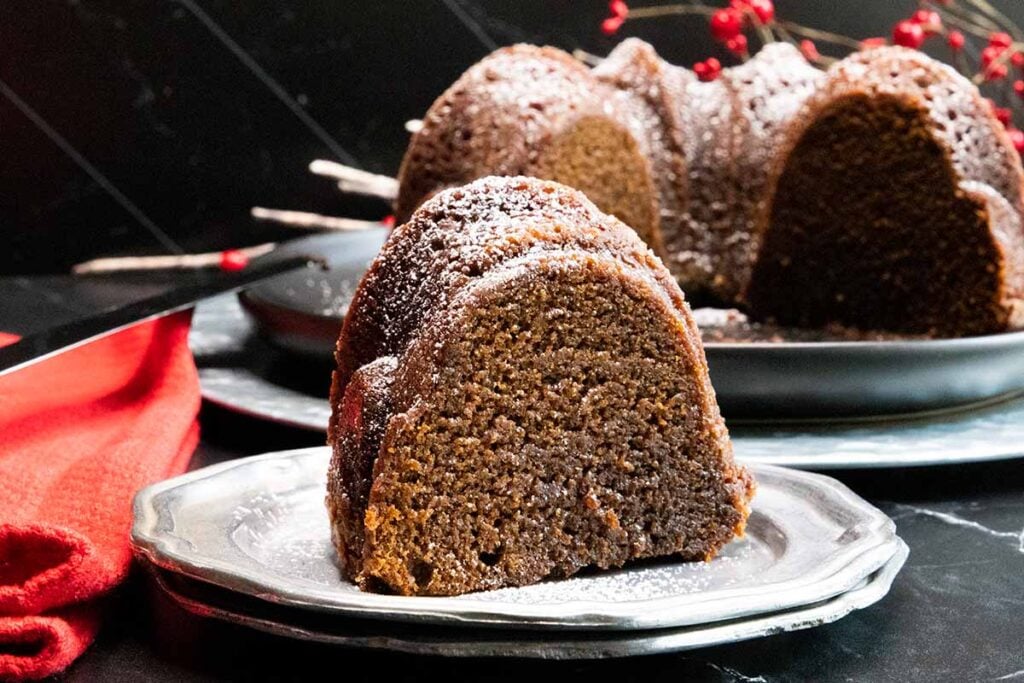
(41, 345)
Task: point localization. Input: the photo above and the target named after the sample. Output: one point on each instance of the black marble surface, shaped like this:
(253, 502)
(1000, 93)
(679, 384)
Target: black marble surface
(955, 612)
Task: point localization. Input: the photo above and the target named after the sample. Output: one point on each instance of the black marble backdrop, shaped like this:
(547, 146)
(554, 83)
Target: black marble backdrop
(130, 125)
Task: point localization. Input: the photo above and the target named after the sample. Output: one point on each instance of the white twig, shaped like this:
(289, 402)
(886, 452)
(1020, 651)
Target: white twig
(356, 181)
(586, 57)
(183, 261)
(311, 221)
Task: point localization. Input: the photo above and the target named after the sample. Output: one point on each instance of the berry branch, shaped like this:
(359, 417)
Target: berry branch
(981, 42)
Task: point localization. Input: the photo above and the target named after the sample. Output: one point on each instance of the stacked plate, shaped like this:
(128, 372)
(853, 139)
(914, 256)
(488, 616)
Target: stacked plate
(249, 542)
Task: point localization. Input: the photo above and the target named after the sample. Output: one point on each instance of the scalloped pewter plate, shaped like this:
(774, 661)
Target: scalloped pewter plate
(206, 601)
(258, 526)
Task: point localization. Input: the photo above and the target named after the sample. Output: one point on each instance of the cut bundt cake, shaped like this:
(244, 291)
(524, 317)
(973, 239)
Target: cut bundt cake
(882, 195)
(521, 393)
(894, 204)
(535, 111)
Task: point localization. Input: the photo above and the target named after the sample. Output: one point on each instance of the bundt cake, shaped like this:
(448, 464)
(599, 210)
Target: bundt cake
(894, 204)
(520, 393)
(800, 196)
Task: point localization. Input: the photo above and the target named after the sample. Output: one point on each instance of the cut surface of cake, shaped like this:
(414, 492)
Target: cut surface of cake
(521, 393)
(895, 205)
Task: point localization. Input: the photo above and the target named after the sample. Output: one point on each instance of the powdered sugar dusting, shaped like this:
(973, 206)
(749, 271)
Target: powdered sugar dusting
(963, 120)
(495, 119)
(649, 89)
(768, 90)
(734, 124)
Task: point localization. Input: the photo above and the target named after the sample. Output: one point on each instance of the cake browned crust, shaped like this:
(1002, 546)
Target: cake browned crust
(895, 204)
(536, 111)
(733, 126)
(766, 92)
(649, 90)
(356, 432)
(522, 393)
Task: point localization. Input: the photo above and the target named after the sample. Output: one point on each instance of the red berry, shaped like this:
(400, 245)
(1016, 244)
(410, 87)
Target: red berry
(1004, 115)
(1018, 60)
(956, 40)
(809, 50)
(1017, 138)
(388, 221)
(708, 70)
(996, 72)
(873, 42)
(611, 25)
(908, 34)
(726, 24)
(930, 21)
(764, 10)
(991, 54)
(618, 8)
(1018, 87)
(233, 260)
(737, 45)
(1002, 40)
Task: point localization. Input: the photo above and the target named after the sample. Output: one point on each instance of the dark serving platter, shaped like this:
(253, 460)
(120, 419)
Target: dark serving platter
(864, 379)
(301, 312)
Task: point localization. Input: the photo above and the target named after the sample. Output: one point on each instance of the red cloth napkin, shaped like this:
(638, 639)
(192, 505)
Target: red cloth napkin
(80, 433)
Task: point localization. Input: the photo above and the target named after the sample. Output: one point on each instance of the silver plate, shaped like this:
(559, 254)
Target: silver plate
(259, 526)
(991, 432)
(864, 378)
(487, 643)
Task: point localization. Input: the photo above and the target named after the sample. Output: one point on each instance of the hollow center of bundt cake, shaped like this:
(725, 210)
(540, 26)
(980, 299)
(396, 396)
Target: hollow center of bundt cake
(602, 159)
(869, 229)
(566, 428)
